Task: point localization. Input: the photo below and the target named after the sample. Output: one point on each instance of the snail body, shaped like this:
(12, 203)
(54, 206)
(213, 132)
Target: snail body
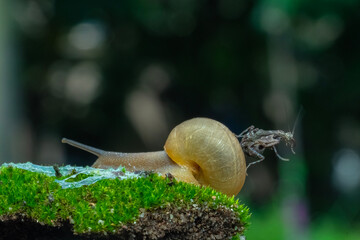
(200, 151)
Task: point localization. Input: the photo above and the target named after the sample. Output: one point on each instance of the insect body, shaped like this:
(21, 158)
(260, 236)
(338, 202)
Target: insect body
(254, 141)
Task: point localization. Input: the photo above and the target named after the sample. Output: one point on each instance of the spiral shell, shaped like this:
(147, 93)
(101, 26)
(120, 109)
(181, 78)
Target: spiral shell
(211, 152)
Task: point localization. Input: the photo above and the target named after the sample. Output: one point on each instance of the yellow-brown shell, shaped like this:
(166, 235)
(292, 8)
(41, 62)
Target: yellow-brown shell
(211, 152)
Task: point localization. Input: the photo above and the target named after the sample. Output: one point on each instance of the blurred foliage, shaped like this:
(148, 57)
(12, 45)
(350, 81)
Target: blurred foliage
(265, 226)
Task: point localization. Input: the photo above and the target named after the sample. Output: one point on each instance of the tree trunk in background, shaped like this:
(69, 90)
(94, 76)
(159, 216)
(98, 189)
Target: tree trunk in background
(9, 88)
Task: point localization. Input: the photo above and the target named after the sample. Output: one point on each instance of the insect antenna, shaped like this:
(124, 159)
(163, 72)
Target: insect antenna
(299, 115)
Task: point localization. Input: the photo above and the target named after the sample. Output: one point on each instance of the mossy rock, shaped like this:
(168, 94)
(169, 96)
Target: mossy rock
(83, 204)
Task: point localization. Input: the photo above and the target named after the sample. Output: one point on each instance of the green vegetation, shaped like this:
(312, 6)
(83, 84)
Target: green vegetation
(104, 206)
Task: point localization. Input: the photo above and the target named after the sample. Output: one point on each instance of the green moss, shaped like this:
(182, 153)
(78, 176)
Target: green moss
(78, 177)
(104, 206)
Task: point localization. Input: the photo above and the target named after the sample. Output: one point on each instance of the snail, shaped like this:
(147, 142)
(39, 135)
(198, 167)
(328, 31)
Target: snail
(201, 151)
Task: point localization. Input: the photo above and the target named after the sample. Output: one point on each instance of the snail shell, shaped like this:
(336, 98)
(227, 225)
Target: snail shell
(210, 151)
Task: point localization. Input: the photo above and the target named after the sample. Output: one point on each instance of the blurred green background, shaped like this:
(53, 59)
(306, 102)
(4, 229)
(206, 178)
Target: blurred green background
(120, 75)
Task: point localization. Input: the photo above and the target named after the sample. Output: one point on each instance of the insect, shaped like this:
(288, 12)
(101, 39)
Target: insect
(254, 141)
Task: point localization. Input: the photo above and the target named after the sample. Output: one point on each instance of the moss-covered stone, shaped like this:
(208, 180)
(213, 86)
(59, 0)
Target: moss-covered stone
(147, 206)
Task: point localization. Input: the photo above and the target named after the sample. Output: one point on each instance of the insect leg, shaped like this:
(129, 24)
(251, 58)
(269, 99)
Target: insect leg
(277, 154)
(253, 152)
(245, 131)
(292, 150)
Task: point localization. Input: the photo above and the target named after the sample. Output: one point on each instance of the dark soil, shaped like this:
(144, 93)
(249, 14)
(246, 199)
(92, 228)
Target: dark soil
(19, 228)
(192, 222)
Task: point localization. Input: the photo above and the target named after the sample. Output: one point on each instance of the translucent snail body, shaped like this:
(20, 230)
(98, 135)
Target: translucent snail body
(200, 151)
